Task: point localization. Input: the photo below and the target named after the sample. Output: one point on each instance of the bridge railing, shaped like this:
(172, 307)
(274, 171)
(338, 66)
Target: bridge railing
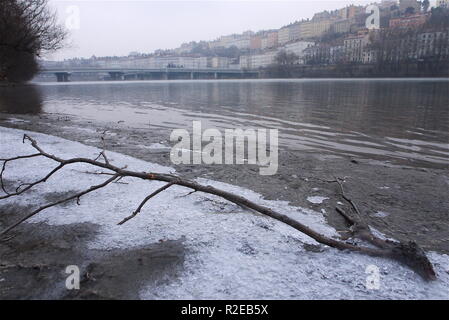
(137, 70)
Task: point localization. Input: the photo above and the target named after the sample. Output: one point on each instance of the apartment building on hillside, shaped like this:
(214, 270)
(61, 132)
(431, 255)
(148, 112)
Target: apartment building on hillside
(284, 35)
(354, 46)
(298, 47)
(269, 40)
(411, 21)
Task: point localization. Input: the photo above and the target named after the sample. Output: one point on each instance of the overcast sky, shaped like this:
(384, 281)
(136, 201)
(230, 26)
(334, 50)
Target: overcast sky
(117, 27)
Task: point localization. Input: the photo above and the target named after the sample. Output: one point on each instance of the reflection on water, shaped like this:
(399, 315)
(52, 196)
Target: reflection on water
(380, 119)
(20, 100)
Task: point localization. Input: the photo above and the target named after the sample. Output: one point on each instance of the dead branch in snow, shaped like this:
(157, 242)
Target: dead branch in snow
(408, 253)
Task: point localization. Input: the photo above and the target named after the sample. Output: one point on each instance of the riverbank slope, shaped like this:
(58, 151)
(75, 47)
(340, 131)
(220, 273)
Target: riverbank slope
(195, 247)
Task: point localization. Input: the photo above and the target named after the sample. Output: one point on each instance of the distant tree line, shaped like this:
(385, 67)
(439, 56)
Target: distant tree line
(28, 28)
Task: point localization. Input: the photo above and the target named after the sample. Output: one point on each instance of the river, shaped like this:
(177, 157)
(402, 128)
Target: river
(380, 119)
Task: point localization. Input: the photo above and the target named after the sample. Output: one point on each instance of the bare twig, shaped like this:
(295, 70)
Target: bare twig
(155, 193)
(73, 197)
(5, 161)
(349, 200)
(188, 194)
(31, 185)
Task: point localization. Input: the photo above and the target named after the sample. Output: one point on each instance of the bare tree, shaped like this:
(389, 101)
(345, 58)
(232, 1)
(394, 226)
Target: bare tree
(285, 58)
(28, 28)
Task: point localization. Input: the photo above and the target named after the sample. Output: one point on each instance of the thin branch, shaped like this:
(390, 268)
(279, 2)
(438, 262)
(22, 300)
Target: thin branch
(5, 161)
(188, 194)
(347, 217)
(349, 200)
(31, 185)
(155, 193)
(53, 204)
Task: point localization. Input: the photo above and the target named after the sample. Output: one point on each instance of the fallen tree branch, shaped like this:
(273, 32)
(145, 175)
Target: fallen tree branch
(409, 253)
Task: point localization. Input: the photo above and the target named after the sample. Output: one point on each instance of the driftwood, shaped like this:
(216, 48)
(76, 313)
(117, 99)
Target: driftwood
(409, 253)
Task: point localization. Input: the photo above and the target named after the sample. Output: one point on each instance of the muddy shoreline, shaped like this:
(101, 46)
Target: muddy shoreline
(403, 202)
(33, 263)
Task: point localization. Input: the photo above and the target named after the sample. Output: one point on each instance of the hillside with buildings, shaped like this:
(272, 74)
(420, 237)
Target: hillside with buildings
(407, 31)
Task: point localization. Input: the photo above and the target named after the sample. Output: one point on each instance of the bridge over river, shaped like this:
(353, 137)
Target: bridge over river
(63, 74)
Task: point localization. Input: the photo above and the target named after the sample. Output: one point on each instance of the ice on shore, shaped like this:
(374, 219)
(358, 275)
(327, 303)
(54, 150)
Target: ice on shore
(380, 214)
(15, 120)
(273, 264)
(316, 199)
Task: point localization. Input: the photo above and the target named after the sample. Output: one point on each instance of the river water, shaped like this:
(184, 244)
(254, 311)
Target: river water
(405, 120)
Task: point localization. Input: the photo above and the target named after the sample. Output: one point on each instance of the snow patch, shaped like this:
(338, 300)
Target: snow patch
(380, 214)
(316, 199)
(15, 120)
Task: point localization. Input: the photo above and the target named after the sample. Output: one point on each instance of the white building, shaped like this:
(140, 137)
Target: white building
(241, 41)
(214, 44)
(354, 46)
(295, 32)
(184, 48)
(257, 61)
(178, 62)
(342, 26)
(245, 62)
(123, 62)
(264, 60)
(284, 35)
(220, 62)
(298, 47)
(264, 43)
(369, 56)
(225, 41)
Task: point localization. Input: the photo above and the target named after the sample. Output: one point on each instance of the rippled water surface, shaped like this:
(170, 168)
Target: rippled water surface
(381, 119)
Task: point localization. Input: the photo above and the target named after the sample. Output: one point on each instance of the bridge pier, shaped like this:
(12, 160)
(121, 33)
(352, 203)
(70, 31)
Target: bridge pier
(116, 75)
(62, 76)
(130, 76)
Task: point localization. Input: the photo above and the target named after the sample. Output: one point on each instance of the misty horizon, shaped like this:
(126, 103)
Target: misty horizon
(117, 27)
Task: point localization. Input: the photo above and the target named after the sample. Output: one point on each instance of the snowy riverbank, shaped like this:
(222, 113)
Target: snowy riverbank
(231, 254)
